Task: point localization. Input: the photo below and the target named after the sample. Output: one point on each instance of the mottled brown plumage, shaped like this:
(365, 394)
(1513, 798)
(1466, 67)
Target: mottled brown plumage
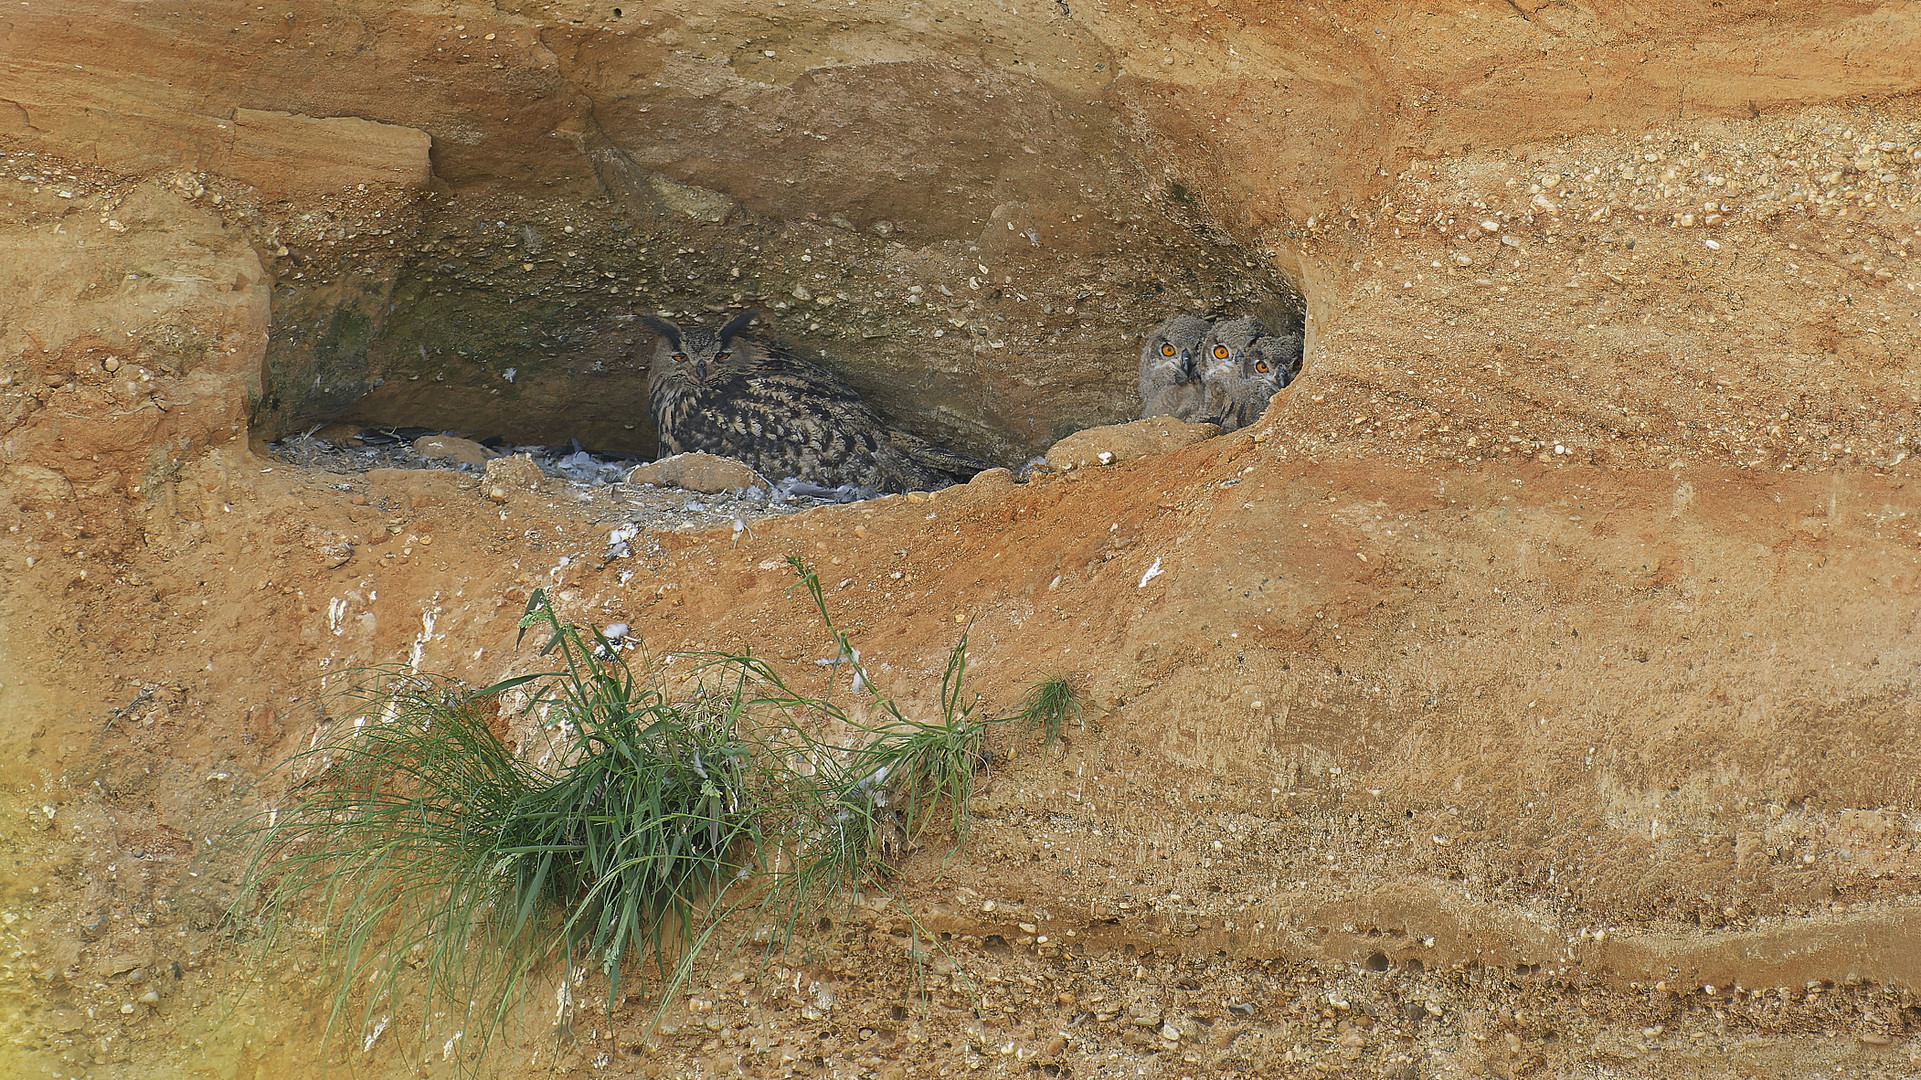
(714, 391)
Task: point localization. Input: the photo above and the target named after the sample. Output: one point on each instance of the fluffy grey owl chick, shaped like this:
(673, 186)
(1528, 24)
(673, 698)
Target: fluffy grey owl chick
(714, 391)
(1170, 382)
(1242, 365)
(1285, 346)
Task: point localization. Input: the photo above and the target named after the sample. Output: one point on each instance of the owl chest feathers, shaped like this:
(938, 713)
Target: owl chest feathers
(715, 392)
(761, 410)
(1170, 383)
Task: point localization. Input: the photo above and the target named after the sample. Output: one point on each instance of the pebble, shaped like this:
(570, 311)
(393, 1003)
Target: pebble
(706, 473)
(505, 476)
(450, 448)
(1116, 443)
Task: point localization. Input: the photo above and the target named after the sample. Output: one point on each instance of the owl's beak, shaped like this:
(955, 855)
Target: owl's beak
(700, 370)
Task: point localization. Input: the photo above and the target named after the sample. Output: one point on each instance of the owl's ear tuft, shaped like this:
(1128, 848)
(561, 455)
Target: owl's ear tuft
(662, 327)
(736, 324)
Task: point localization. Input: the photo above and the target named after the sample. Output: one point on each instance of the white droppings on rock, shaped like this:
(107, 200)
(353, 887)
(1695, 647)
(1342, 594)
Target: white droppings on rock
(617, 547)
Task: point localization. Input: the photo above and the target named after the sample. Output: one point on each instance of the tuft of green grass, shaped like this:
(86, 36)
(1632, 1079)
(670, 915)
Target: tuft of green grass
(1048, 706)
(443, 868)
(916, 766)
(443, 871)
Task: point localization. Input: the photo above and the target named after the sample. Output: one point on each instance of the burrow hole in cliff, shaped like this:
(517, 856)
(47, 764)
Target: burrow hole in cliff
(992, 321)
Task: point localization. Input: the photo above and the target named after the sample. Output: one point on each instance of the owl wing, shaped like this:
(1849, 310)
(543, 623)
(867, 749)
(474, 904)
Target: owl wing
(899, 460)
(930, 466)
(804, 421)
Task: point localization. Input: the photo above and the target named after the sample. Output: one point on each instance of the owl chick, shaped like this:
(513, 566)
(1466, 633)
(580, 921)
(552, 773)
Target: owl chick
(1170, 383)
(1284, 348)
(1242, 365)
(714, 391)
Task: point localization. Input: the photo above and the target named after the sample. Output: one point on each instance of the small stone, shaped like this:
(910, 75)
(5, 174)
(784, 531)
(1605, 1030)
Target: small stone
(698, 203)
(1116, 443)
(331, 548)
(116, 965)
(449, 448)
(111, 363)
(1170, 1033)
(1241, 1008)
(505, 476)
(151, 997)
(709, 474)
(992, 478)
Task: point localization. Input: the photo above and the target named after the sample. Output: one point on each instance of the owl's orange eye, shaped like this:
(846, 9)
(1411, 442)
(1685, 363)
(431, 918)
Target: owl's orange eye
(1167, 350)
(679, 359)
(1220, 352)
(723, 356)
(1260, 366)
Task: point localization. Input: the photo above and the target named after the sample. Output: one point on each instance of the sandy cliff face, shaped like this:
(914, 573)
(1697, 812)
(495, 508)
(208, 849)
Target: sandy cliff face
(1536, 671)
